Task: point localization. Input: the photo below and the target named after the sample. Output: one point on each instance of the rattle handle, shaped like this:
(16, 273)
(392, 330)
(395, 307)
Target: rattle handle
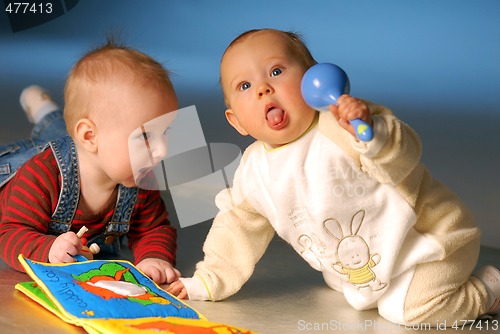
(363, 130)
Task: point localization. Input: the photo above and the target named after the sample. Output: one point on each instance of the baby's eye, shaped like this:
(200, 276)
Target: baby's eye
(245, 85)
(276, 71)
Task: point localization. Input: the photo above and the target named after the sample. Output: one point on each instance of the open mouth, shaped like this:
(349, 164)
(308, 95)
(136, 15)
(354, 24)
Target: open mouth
(276, 117)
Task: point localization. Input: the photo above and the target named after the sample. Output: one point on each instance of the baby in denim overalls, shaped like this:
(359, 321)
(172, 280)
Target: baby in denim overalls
(53, 184)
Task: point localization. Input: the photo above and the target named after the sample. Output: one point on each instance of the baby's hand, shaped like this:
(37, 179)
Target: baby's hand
(350, 108)
(65, 245)
(160, 271)
(178, 289)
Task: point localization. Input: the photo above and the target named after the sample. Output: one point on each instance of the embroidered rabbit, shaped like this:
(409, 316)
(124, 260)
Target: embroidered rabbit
(353, 253)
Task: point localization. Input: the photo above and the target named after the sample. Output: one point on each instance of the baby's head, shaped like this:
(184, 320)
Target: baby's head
(102, 74)
(261, 71)
(118, 104)
(294, 44)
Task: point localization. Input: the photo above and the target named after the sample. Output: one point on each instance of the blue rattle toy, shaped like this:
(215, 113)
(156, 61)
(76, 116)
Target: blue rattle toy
(322, 85)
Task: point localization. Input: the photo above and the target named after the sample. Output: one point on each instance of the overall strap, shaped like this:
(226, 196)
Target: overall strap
(125, 203)
(109, 240)
(67, 160)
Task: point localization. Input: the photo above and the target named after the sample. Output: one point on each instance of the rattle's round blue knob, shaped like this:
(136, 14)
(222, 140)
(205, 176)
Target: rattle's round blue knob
(322, 85)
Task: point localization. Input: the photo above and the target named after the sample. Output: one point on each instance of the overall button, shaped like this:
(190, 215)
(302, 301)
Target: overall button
(109, 240)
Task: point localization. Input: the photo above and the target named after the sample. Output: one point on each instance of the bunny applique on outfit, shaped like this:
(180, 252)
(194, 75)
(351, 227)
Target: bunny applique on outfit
(355, 258)
(369, 216)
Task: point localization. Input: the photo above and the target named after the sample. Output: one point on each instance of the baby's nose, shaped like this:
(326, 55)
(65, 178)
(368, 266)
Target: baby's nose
(265, 89)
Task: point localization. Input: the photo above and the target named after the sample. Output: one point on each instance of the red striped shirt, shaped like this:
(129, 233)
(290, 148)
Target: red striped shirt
(29, 199)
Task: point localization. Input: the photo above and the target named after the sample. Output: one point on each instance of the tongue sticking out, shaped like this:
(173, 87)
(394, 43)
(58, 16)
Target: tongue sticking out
(275, 116)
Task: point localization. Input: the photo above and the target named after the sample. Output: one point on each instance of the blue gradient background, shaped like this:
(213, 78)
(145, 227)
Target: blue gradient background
(434, 62)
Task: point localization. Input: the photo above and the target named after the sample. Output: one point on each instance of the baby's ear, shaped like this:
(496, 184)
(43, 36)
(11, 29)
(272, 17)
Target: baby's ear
(233, 120)
(85, 134)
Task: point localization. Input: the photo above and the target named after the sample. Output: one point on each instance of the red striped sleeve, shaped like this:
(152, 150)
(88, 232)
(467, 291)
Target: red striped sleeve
(26, 204)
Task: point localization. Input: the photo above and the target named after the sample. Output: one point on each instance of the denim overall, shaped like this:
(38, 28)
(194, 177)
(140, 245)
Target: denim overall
(66, 156)
(14, 155)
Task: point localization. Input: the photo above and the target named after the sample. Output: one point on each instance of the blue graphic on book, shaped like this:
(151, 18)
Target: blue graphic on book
(107, 289)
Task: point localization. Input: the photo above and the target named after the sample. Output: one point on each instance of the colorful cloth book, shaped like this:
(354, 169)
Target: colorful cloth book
(112, 296)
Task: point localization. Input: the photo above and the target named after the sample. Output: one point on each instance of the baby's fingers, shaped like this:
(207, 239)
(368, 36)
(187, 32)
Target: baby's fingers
(183, 294)
(175, 288)
(172, 275)
(351, 108)
(61, 257)
(156, 274)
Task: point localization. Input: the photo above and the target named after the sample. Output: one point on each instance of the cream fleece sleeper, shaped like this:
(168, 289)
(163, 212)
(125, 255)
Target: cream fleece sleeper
(369, 216)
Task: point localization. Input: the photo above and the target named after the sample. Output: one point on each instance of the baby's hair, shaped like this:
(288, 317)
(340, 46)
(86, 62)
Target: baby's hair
(111, 61)
(295, 42)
